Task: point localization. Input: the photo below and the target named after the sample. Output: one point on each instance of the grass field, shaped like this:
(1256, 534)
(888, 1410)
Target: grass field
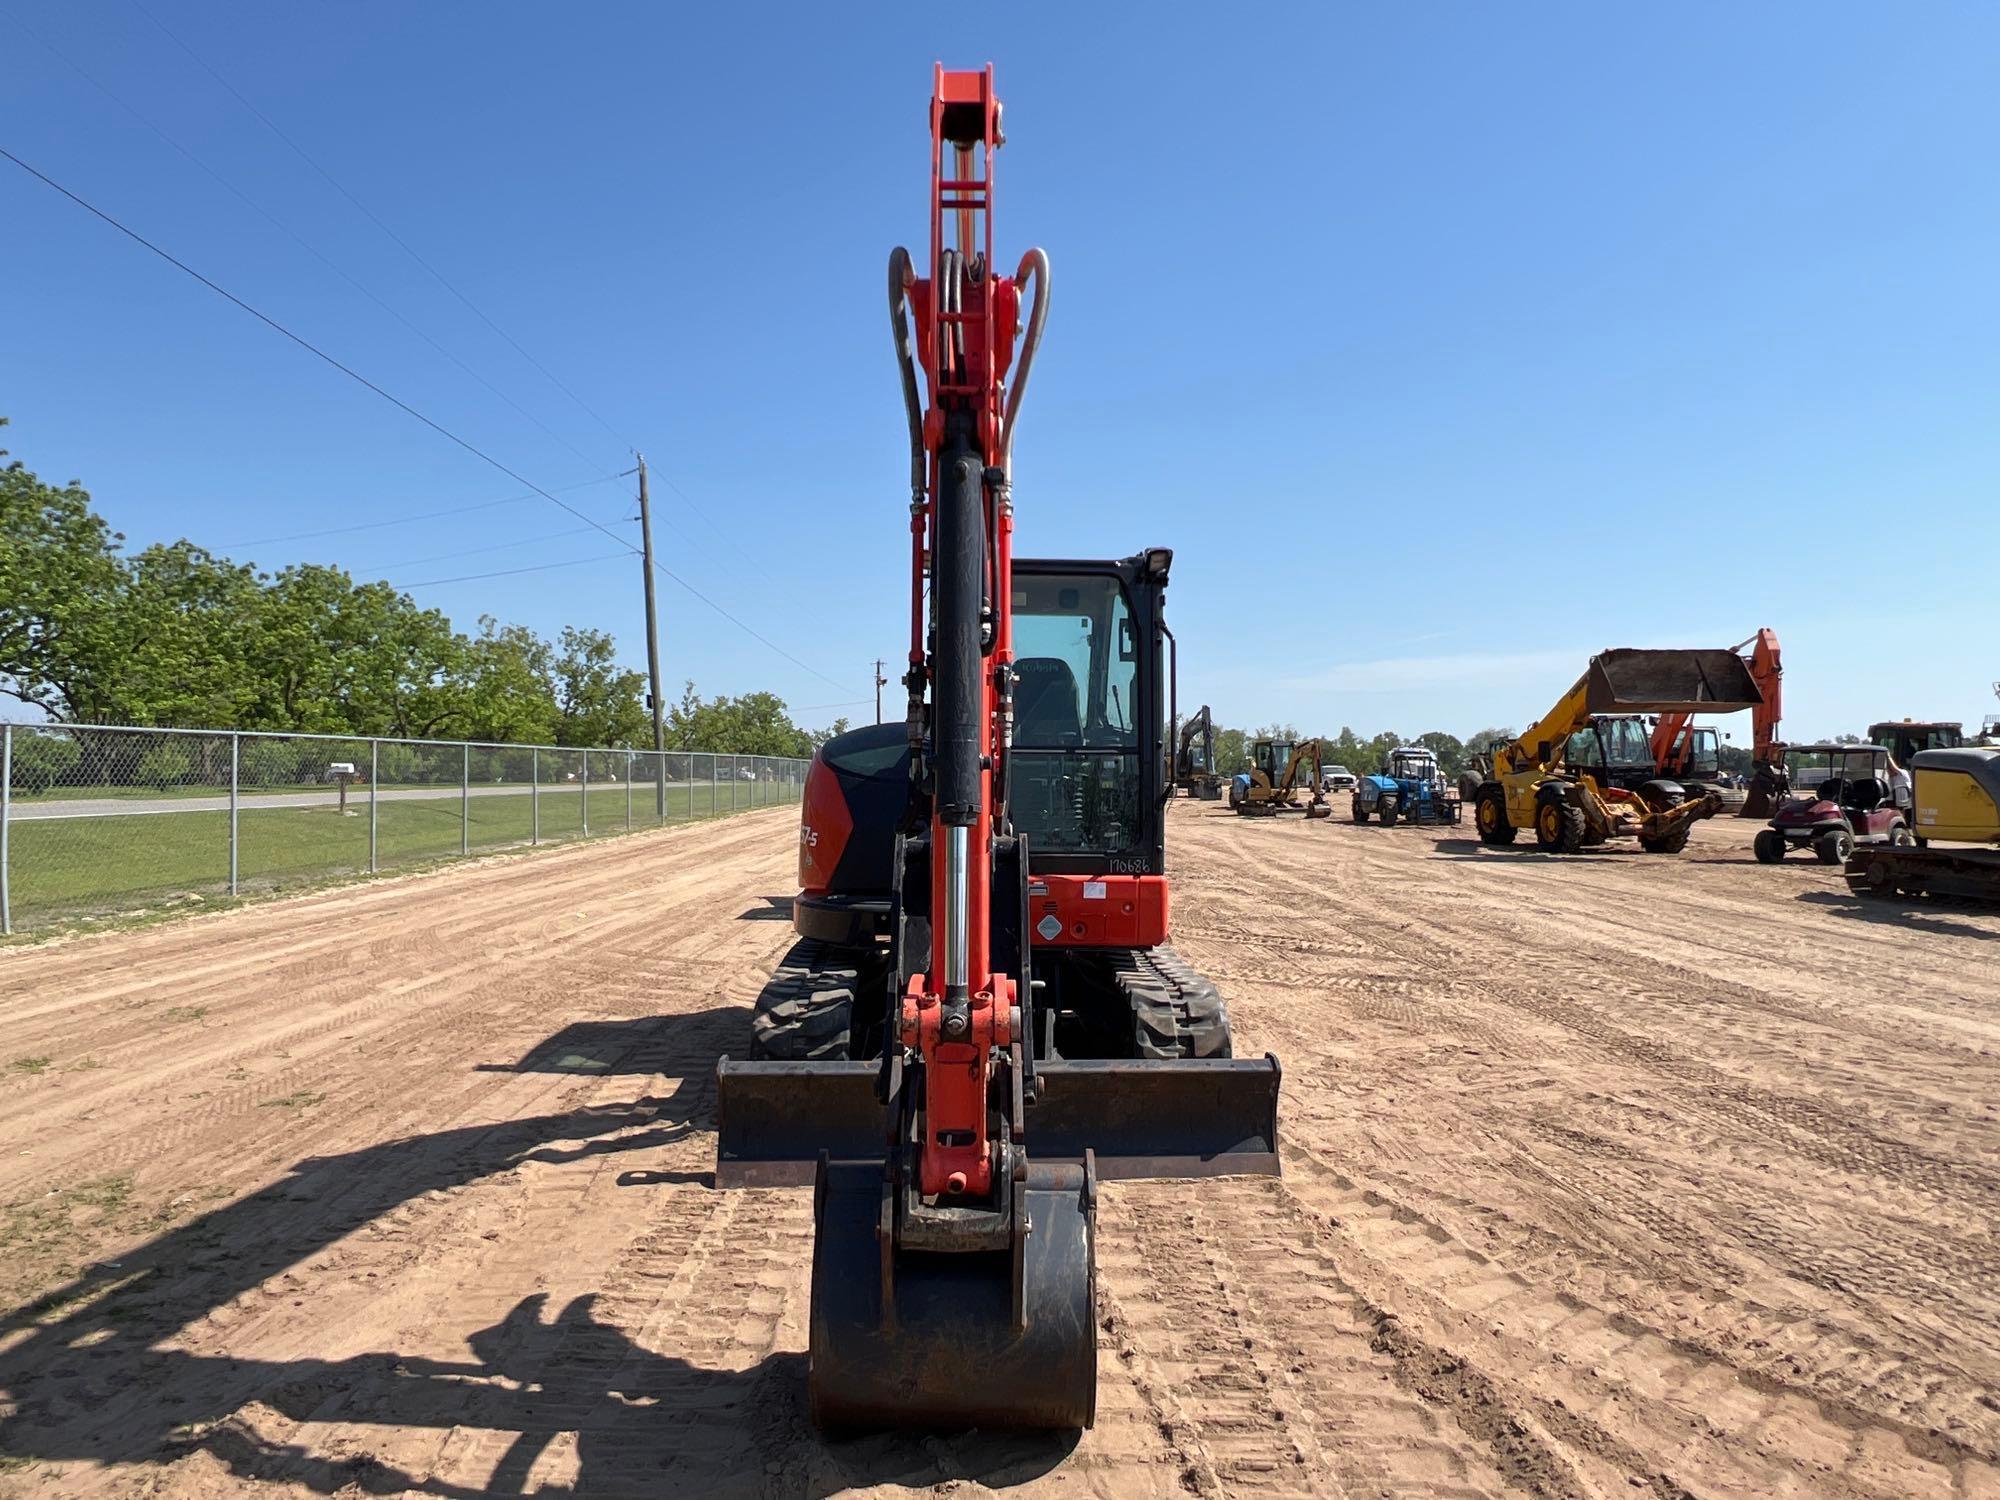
(66, 869)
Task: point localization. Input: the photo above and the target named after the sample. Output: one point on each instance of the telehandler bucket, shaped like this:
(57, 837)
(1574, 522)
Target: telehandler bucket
(1631, 680)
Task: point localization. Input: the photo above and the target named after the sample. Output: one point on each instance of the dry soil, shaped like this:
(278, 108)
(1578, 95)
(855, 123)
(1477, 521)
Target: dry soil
(1609, 1175)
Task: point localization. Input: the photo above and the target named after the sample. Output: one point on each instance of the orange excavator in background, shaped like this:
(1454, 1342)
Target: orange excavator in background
(1677, 743)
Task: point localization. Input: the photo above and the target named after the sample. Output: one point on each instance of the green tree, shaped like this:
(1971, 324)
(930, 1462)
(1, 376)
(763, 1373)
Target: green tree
(43, 760)
(335, 657)
(1346, 749)
(598, 702)
(180, 631)
(59, 576)
(175, 636)
(1450, 752)
(165, 766)
(751, 724)
(1232, 751)
(509, 692)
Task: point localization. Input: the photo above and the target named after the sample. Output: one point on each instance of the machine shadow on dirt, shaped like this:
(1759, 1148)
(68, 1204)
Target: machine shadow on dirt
(87, 1381)
(678, 1046)
(1474, 849)
(1888, 914)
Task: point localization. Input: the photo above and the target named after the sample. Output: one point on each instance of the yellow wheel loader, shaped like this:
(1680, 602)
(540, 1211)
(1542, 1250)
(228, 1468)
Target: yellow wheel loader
(1534, 785)
(1958, 802)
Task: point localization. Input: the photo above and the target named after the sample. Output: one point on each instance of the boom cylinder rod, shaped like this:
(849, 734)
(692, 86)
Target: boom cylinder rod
(957, 593)
(957, 897)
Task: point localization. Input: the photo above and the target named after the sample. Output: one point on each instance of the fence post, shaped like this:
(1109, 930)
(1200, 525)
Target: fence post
(628, 791)
(735, 770)
(235, 744)
(6, 812)
(465, 799)
(374, 796)
(535, 795)
(586, 794)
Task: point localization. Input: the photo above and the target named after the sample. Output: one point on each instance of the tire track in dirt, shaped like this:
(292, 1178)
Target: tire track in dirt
(1868, 1399)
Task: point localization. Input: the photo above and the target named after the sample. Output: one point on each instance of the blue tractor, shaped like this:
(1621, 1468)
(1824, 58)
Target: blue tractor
(1407, 789)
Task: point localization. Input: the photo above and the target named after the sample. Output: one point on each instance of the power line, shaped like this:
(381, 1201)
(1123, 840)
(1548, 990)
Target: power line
(369, 214)
(403, 406)
(422, 515)
(294, 236)
(311, 348)
(479, 312)
(366, 212)
(574, 562)
(526, 541)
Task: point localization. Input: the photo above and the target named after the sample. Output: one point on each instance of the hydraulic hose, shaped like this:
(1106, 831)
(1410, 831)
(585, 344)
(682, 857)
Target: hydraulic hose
(1035, 267)
(900, 280)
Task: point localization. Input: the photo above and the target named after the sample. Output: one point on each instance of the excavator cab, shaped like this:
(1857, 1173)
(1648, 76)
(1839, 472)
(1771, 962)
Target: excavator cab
(1086, 772)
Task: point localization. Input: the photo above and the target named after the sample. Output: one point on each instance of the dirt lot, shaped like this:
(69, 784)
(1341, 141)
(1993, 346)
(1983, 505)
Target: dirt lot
(1608, 1176)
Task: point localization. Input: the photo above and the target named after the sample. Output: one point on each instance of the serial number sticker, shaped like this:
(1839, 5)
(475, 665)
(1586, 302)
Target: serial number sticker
(1093, 890)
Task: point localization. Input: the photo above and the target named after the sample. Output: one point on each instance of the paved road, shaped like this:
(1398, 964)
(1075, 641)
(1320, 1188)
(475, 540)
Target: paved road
(27, 810)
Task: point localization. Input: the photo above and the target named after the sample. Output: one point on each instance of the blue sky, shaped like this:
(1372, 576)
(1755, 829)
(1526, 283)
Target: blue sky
(1445, 344)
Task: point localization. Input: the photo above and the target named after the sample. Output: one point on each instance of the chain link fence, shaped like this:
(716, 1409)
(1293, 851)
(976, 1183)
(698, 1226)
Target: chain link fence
(107, 820)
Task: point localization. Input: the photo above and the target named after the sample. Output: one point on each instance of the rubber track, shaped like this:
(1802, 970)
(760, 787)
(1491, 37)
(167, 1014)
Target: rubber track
(805, 1012)
(1176, 1012)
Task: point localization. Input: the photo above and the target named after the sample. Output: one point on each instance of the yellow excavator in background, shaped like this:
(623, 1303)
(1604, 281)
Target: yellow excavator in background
(1957, 801)
(1533, 785)
(1270, 786)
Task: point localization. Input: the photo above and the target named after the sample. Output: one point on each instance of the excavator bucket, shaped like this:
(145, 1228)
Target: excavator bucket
(1631, 680)
(1000, 1335)
(1003, 1338)
(1139, 1118)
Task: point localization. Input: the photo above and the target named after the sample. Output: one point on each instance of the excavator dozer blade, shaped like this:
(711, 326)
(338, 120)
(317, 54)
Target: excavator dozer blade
(1197, 1118)
(1630, 680)
(947, 1340)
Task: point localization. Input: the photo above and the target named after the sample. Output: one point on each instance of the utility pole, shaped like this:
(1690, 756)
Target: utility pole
(880, 679)
(652, 610)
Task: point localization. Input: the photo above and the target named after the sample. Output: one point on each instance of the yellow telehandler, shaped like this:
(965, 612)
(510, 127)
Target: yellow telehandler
(1533, 784)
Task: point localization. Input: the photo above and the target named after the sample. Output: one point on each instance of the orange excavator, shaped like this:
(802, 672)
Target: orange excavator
(983, 1017)
(1678, 744)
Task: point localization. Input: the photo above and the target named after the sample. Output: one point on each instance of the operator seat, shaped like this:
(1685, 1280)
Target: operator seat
(1045, 714)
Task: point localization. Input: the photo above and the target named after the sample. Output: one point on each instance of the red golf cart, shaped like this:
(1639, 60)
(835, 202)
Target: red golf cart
(1844, 797)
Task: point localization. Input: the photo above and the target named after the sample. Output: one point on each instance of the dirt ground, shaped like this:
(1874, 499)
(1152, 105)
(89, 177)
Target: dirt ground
(1611, 1175)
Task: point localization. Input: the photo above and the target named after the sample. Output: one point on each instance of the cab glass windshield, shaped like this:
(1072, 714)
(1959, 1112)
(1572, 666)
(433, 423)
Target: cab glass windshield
(1075, 774)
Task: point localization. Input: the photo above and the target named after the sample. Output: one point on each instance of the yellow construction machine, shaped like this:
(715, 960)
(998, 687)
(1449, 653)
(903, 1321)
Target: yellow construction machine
(1958, 802)
(1271, 785)
(1533, 783)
